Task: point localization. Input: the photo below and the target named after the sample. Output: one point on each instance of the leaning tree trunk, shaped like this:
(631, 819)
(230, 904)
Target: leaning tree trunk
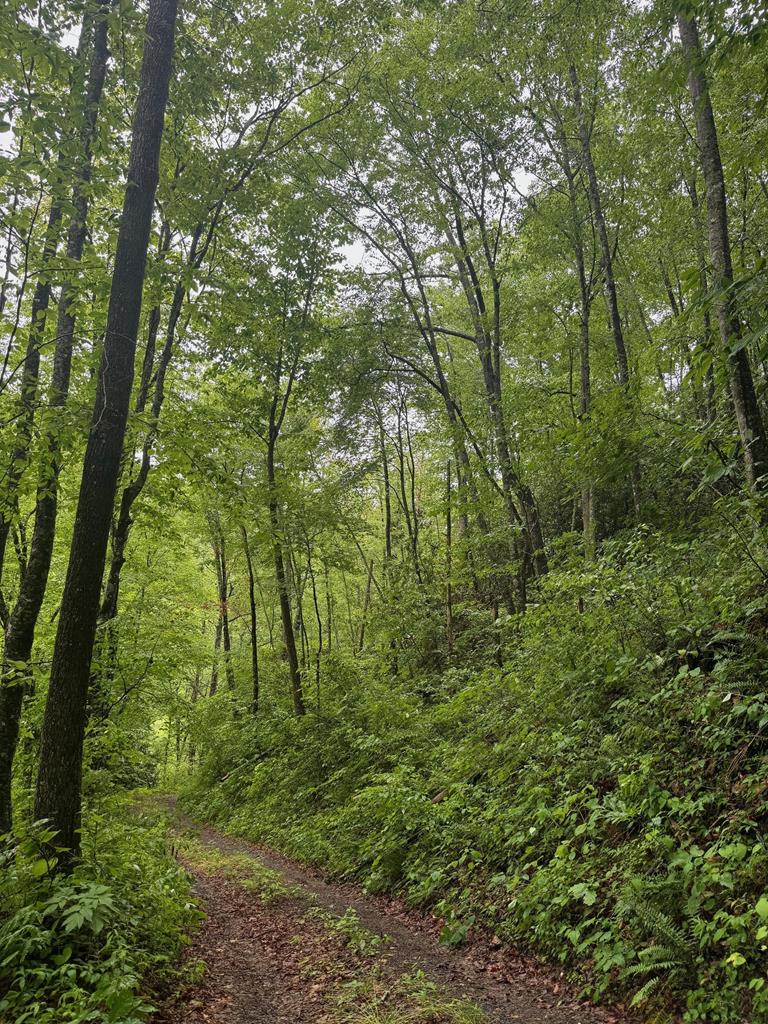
(743, 394)
(20, 630)
(59, 784)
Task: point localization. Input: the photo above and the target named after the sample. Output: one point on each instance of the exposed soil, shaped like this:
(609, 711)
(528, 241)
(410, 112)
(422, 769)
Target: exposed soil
(264, 964)
(274, 964)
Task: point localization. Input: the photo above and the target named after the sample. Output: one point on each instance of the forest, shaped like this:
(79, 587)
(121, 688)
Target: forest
(384, 511)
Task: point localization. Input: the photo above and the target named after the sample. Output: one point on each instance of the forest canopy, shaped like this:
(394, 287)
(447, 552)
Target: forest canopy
(384, 469)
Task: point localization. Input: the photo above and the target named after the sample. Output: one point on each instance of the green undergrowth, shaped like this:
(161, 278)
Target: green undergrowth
(97, 944)
(598, 799)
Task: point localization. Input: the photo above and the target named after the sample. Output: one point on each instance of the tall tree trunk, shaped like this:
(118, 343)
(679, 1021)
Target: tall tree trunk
(289, 637)
(30, 376)
(386, 485)
(609, 276)
(318, 620)
(410, 513)
(366, 604)
(596, 203)
(224, 593)
(213, 687)
(585, 307)
(448, 560)
(20, 629)
(226, 640)
(41, 300)
(525, 525)
(254, 631)
(710, 396)
(59, 784)
(743, 394)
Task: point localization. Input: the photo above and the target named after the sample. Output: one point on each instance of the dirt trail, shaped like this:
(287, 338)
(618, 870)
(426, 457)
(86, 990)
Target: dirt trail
(277, 963)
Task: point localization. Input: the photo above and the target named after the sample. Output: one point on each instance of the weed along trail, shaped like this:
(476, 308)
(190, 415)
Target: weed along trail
(280, 944)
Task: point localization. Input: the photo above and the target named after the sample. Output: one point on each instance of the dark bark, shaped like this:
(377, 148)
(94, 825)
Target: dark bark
(710, 397)
(406, 494)
(214, 684)
(318, 620)
(29, 379)
(254, 624)
(742, 386)
(224, 590)
(59, 784)
(289, 637)
(366, 604)
(20, 629)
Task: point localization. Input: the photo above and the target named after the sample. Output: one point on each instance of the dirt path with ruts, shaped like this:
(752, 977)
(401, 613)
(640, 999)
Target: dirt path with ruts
(292, 946)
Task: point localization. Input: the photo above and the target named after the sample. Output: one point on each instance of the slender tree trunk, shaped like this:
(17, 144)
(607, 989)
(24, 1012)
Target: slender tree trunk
(41, 298)
(289, 637)
(58, 796)
(585, 388)
(328, 606)
(214, 684)
(366, 604)
(20, 629)
(609, 277)
(318, 620)
(710, 397)
(743, 393)
(223, 587)
(254, 630)
(193, 697)
(525, 526)
(410, 513)
(387, 496)
(29, 379)
(448, 559)
(226, 640)
(596, 203)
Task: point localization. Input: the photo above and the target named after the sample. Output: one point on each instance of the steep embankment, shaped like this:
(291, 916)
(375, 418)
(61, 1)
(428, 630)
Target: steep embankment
(599, 800)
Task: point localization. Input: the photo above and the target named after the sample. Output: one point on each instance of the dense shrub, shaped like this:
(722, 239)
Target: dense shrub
(91, 945)
(600, 798)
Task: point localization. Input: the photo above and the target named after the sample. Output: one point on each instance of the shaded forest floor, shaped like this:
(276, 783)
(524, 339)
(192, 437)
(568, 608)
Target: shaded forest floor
(282, 944)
